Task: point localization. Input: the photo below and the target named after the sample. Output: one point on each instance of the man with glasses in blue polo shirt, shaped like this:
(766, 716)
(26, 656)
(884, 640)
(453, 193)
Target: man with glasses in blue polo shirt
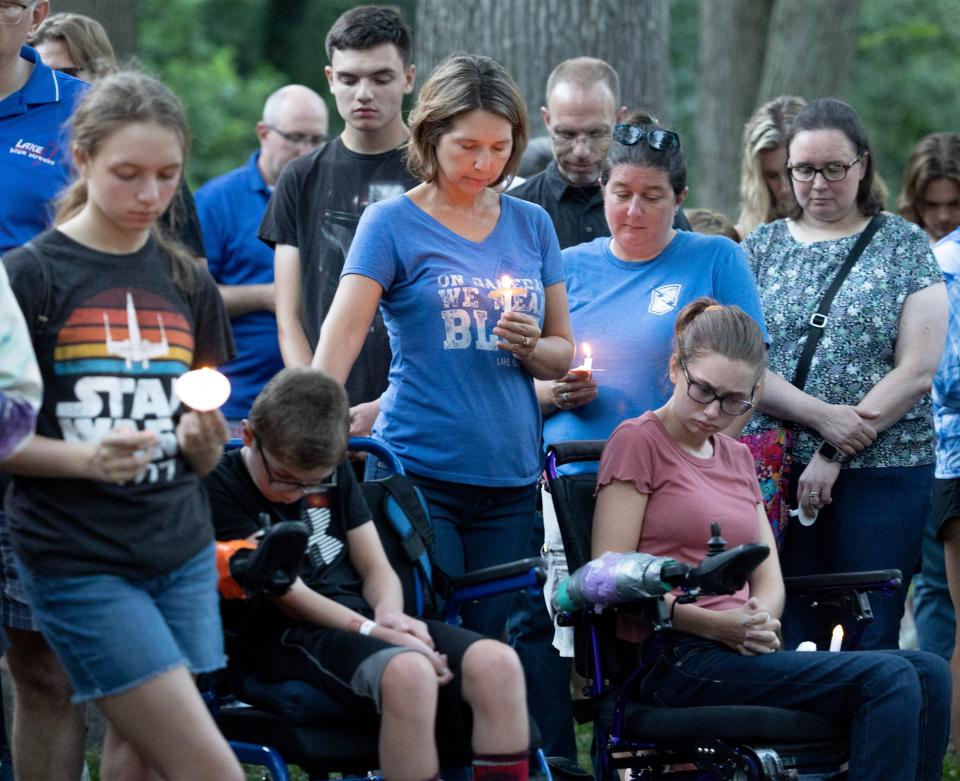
(231, 207)
(35, 103)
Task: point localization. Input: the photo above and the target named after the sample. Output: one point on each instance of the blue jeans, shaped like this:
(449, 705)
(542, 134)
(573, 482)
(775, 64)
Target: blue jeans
(896, 702)
(112, 634)
(933, 610)
(475, 527)
(875, 521)
(530, 632)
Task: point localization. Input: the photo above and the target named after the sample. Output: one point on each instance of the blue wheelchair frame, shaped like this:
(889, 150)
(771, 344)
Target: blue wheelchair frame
(514, 576)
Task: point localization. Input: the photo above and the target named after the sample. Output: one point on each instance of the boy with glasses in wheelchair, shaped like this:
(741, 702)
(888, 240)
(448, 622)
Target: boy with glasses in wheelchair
(341, 627)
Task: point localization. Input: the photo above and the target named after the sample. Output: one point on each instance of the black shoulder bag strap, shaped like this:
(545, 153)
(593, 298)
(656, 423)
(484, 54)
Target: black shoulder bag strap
(818, 320)
(43, 316)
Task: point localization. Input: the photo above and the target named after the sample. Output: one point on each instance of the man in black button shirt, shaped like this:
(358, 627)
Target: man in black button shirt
(583, 96)
(583, 105)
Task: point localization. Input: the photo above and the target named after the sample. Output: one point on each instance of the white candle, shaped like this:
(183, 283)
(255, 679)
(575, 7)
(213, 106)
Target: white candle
(506, 293)
(836, 640)
(202, 389)
(807, 645)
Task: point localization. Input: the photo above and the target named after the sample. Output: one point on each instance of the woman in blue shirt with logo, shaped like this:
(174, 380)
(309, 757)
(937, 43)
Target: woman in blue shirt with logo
(460, 410)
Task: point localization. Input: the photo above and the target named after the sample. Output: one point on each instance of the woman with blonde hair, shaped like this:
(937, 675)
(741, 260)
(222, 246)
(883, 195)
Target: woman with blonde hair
(765, 193)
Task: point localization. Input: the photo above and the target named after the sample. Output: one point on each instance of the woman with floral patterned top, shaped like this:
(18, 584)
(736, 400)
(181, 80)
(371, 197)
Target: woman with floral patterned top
(863, 450)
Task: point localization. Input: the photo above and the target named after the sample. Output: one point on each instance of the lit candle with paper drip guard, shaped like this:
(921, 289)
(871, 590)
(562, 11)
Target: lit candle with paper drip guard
(587, 364)
(836, 640)
(203, 389)
(506, 291)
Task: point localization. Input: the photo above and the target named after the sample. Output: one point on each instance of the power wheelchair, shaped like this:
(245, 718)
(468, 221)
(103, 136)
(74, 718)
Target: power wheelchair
(730, 742)
(272, 724)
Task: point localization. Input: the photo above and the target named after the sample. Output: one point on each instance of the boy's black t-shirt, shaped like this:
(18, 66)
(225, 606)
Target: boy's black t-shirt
(120, 333)
(316, 207)
(326, 568)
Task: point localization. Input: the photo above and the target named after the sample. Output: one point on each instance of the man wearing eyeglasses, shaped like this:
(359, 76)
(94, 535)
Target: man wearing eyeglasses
(230, 208)
(35, 103)
(582, 106)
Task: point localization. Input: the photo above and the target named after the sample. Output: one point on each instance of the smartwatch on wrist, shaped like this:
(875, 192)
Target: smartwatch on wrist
(830, 452)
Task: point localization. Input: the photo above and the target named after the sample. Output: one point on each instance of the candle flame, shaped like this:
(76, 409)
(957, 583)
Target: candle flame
(506, 283)
(588, 357)
(838, 631)
(203, 389)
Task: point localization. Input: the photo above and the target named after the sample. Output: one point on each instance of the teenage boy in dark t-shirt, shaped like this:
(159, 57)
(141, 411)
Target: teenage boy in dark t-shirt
(341, 627)
(313, 213)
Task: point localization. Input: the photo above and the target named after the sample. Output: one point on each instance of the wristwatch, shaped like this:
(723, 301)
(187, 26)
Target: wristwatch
(831, 452)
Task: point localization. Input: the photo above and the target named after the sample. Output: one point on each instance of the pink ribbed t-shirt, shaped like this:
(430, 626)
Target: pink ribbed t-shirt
(685, 495)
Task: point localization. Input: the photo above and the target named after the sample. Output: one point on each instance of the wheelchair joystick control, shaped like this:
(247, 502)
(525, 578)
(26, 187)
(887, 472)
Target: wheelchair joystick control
(716, 544)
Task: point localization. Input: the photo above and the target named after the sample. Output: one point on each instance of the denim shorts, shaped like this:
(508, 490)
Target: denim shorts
(112, 634)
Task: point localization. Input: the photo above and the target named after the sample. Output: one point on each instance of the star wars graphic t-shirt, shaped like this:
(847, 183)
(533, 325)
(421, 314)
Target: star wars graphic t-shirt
(120, 332)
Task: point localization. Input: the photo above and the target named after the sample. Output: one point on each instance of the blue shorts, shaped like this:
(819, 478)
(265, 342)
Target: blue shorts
(112, 634)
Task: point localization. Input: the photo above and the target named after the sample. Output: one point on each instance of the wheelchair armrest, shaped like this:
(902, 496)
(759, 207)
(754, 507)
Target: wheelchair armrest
(576, 450)
(493, 581)
(501, 572)
(872, 580)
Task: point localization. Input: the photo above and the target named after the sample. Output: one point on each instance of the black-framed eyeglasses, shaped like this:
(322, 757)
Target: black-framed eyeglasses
(704, 394)
(832, 172)
(656, 137)
(294, 485)
(13, 13)
(300, 139)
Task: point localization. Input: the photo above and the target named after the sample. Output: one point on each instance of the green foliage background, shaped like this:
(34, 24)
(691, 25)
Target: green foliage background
(223, 57)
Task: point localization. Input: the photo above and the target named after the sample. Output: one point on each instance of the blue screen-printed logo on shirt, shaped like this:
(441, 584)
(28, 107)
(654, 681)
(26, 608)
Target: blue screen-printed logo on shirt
(663, 299)
(470, 314)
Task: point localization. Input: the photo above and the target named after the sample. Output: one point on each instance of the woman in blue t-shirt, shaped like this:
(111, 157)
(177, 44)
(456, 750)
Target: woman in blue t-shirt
(626, 289)
(471, 287)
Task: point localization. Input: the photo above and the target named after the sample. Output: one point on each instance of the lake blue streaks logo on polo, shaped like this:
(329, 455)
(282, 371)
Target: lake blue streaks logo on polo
(664, 299)
(37, 152)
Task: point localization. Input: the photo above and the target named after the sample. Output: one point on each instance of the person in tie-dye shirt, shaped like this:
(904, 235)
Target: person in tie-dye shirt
(20, 386)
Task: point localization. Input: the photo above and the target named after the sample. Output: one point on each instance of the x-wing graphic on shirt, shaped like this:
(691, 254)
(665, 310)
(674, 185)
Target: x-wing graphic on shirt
(135, 349)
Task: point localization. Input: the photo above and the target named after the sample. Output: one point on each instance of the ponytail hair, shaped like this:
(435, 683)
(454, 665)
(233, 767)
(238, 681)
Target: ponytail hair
(705, 326)
(115, 101)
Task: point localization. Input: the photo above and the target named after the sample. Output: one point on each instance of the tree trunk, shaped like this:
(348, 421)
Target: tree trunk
(120, 18)
(530, 37)
(810, 48)
(733, 35)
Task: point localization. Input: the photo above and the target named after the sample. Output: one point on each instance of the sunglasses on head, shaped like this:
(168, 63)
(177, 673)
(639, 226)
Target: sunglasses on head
(656, 138)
